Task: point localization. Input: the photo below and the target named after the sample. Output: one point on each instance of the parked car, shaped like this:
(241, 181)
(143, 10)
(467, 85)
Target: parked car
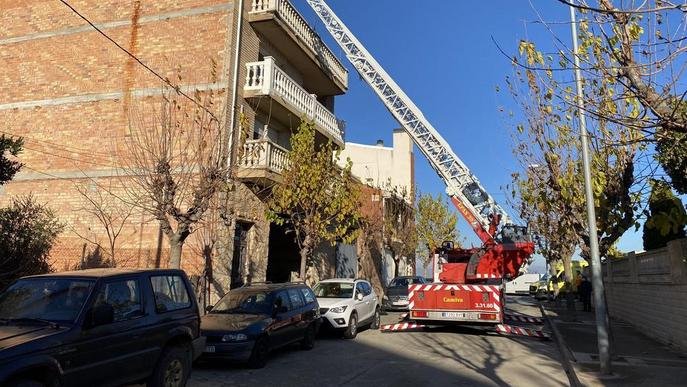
(396, 294)
(521, 284)
(348, 304)
(99, 327)
(249, 322)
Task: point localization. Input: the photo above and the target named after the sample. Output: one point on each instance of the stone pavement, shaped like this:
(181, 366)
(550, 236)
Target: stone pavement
(637, 359)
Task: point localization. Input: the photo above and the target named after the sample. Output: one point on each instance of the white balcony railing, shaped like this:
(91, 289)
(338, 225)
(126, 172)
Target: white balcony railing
(263, 154)
(265, 78)
(288, 13)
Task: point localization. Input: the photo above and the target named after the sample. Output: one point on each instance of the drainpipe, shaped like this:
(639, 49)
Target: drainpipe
(235, 86)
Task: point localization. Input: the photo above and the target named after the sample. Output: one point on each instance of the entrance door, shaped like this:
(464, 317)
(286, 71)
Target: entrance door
(240, 254)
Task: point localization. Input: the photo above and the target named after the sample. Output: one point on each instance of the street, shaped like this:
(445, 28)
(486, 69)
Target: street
(437, 357)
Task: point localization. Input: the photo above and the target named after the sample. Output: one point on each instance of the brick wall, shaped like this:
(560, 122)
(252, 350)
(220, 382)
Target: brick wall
(66, 89)
(649, 291)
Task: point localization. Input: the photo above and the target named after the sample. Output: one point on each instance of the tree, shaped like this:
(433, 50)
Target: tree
(174, 161)
(111, 215)
(435, 223)
(319, 200)
(28, 230)
(667, 218)
(399, 234)
(8, 166)
(671, 153)
(548, 139)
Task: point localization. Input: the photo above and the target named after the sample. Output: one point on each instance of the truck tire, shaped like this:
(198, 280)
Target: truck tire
(258, 356)
(173, 368)
(352, 330)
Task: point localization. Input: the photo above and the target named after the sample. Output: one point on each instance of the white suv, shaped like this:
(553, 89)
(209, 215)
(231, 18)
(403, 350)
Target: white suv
(347, 304)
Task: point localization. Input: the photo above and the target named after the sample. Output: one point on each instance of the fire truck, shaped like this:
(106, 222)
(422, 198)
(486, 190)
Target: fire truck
(468, 286)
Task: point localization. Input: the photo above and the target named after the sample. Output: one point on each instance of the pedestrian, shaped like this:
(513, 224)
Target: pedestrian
(578, 281)
(585, 291)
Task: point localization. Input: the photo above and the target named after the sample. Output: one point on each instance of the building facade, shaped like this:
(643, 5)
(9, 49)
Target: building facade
(67, 89)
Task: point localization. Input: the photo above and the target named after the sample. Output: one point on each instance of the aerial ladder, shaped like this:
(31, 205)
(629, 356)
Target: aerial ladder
(468, 286)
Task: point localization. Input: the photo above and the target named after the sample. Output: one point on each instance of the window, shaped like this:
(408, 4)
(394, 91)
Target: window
(367, 289)
(124, 297)
(359, 289)
(170, 293)
(239, 301)
(53, 299)
(334, 290)
(308, 295)
(282, 299)
(296, 298)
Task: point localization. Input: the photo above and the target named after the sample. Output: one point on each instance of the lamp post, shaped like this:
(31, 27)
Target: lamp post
(597, 281)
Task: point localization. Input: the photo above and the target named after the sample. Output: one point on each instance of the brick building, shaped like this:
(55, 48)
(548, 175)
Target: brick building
(66, 89)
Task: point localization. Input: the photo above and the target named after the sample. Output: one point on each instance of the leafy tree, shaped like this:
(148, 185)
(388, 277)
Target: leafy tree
(319, 200)
(435, 223)
(667, 219)
(399, 234)
(9, 167)
(28, 230)
(549, 140)
(671, 153)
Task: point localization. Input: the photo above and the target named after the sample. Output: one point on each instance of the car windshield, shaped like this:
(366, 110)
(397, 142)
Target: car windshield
(50, 299)
(404, 282)
(334, 290)
(243, 302)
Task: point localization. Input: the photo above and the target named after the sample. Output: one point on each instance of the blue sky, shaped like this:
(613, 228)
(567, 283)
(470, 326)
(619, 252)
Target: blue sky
(443, 56)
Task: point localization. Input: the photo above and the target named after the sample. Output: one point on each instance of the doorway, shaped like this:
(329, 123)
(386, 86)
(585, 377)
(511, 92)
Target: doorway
(283, 256)
(240, 254)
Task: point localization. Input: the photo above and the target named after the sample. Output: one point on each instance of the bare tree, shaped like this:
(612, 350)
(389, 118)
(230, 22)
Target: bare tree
(111, 215)
(174, 160)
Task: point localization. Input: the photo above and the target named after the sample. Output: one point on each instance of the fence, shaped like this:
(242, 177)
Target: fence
(649, 291)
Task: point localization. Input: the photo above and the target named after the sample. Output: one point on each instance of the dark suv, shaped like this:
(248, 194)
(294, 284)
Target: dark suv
(252, 320)
(99, 327)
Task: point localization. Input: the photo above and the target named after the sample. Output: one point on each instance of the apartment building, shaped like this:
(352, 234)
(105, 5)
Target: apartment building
(66, 89)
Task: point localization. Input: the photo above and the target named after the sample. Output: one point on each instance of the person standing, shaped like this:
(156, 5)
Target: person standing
(585, 291)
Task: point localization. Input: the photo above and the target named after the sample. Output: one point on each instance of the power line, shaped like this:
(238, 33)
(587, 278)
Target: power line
(66, 148)
(134, 57)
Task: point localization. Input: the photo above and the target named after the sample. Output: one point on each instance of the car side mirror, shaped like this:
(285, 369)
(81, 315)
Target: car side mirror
(101, 314)
(359, 296)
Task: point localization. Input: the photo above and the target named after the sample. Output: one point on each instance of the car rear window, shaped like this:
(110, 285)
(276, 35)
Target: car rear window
(296, 298)
(170, 293)
(308, 295)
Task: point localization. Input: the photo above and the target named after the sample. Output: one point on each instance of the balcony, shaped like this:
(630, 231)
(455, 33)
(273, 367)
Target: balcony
(265, 79)
(262, 159)
(282, 25)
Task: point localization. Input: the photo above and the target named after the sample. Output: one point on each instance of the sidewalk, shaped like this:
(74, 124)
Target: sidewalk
(637, 359)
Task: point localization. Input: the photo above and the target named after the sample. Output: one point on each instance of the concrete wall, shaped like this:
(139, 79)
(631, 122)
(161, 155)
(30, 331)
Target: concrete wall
(649, 291)
(378, 166)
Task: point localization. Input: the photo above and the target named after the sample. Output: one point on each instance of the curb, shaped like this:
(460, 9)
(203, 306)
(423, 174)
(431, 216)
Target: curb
(566, 356)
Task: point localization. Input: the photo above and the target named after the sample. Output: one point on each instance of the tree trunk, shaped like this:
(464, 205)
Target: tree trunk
(569, 283)
(306, 252)
(175, 246)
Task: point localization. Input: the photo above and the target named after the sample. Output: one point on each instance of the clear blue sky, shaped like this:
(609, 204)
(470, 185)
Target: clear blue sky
(443, 56)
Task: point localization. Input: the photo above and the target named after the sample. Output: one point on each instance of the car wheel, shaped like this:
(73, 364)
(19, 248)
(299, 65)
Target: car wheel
(352, 329)
(376, 320)
(26, 383)
(258, 356)
(308, 341)
(173, 369)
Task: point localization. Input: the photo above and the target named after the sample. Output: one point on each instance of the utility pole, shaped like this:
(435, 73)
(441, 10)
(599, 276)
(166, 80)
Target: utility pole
(597, 280)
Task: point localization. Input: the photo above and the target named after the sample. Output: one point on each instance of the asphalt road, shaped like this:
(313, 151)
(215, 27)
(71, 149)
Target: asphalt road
(436, 357)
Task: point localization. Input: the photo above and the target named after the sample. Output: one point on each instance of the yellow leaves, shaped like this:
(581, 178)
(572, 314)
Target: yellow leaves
(533, 56)
(635, 31)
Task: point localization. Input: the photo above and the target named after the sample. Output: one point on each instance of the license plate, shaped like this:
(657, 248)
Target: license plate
(401, 303)
(453, 315)
(210, 349)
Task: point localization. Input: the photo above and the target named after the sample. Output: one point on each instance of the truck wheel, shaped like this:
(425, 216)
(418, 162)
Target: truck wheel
(26, 383)
(258, 356)
(376, 320)
(173, 368)
(308, 341)
(352, 329)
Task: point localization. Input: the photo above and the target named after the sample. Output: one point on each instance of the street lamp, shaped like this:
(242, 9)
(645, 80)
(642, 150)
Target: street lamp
(597, 281)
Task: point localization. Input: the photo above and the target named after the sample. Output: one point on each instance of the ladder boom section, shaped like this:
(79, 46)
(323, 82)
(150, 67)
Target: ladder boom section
(473, 201)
